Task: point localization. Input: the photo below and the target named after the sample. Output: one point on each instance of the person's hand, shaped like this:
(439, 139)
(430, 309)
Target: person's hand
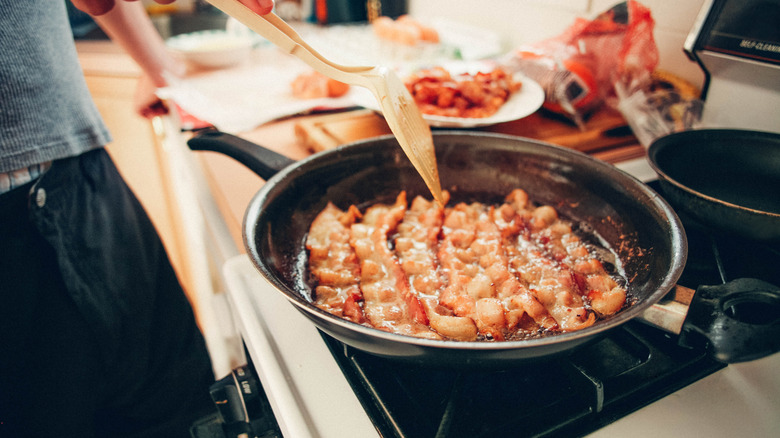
(261, 7)
(145, 100)
(100, 7)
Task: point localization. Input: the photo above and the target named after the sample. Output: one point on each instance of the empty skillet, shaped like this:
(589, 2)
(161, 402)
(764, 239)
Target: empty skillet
(725, 179)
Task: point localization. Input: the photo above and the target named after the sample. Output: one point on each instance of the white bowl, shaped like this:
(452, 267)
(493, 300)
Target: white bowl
(212, 48)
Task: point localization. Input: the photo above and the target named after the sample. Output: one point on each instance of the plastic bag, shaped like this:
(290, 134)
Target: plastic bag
(653, 112)
(580, 68)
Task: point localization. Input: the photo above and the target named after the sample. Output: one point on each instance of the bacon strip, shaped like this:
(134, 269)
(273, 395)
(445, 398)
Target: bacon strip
(511, 226)
(333, 262)
(416, 245)
(603, 293)
(480, 284)
(389, 302)
(535, 242)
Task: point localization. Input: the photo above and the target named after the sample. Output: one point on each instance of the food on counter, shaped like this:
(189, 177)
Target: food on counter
(440, 93)
(315, 85)
(405, 30)
(468, 272)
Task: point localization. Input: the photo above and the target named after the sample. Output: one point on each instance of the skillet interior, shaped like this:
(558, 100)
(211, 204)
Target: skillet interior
(723, 178)
(737, 167)
(631, 218)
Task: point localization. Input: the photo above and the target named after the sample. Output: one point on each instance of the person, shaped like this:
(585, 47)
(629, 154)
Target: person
(96, 335)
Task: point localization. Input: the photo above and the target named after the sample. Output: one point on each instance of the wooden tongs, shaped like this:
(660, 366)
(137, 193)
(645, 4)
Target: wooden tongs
(398, 107)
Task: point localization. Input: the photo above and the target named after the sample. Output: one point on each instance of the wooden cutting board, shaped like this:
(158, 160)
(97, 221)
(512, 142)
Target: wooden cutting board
(606, 134)
(332, 130)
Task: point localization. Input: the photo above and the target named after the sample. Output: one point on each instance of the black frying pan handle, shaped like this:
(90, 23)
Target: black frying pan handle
(740, 320)
(264, 162)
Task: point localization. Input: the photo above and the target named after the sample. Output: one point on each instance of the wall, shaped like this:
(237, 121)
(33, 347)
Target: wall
(527, 21)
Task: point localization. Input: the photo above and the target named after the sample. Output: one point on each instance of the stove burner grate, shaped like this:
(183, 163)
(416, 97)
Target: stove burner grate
(631, 367)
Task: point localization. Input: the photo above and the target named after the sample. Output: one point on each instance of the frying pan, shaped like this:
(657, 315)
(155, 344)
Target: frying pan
(723, 178)
(646, 236)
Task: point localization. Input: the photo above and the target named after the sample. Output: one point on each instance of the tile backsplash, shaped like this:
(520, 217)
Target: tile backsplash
(526, 21)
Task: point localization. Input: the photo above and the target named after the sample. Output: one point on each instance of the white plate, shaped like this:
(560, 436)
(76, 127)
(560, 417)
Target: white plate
(520, 104)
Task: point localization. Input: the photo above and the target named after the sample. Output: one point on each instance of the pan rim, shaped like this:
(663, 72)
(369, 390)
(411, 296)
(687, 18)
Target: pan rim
(678, 240)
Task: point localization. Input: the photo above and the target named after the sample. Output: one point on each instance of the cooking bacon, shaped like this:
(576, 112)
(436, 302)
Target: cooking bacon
(537, 263)
(416, 244)
(467, 272)
(478, 274)
(333, 262)
(388, 301)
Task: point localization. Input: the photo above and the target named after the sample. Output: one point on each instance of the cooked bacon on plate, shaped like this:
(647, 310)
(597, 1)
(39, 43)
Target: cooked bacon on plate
(441, 93)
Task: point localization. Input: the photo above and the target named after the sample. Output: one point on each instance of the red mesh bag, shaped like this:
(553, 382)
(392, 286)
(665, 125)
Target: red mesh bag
(580, 68)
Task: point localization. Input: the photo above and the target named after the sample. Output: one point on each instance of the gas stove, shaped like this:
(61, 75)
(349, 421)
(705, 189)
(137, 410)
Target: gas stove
(572, 396)
(636, 381)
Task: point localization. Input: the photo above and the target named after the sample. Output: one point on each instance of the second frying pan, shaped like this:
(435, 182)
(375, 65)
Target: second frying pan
(725, 179)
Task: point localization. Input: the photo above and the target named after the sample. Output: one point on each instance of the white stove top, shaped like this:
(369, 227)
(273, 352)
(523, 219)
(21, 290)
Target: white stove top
(312, 398)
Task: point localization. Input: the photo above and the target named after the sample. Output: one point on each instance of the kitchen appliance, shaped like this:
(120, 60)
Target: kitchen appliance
(737, 45)
(312, 388)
